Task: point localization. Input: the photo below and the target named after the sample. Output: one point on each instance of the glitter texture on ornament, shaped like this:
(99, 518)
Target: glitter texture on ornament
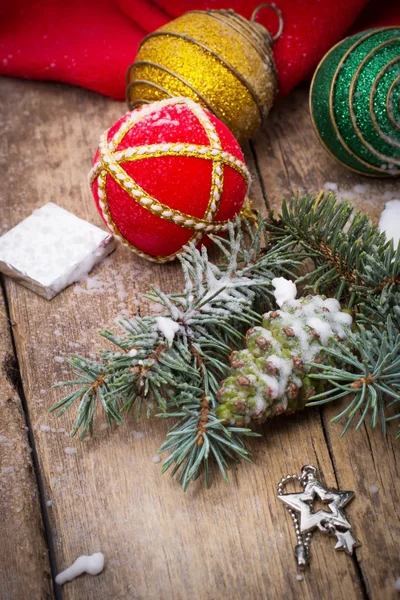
(216, 58)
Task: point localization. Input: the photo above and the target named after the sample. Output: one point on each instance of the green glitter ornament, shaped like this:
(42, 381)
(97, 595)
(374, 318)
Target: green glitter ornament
(355, 102)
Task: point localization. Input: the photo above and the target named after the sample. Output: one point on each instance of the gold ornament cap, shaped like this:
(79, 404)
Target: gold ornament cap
(214, 57)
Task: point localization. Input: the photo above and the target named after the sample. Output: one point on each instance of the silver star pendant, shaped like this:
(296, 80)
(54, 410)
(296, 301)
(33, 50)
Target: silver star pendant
(346, 541)
(331, 521)
(324, 520)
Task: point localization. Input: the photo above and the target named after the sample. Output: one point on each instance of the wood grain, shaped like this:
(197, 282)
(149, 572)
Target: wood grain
(24, 564)
(368, 463)
(107, 494)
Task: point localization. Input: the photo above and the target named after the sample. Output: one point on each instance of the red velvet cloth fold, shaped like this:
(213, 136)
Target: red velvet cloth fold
(91, 43)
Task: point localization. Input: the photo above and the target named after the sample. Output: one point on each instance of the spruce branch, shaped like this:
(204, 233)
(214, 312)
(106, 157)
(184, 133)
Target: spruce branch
(174, 367)
(369, 374)
(181, 375)
(352, 258)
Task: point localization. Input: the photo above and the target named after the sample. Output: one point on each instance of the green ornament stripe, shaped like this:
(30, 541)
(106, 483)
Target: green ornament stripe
(361, 113)
(384, 120)
(393, 99)
(354, 102)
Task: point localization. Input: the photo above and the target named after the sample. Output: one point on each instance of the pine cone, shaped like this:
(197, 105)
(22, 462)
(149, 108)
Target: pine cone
(270, 376)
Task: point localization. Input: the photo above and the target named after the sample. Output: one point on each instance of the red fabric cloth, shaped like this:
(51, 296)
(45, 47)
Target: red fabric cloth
(91, 43)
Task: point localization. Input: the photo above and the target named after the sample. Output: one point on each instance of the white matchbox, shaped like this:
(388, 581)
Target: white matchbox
(52, 249)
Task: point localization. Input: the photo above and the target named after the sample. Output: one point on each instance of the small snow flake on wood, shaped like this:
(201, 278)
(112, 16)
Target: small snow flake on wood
(331, 186)
(69, 451)
(93, 565)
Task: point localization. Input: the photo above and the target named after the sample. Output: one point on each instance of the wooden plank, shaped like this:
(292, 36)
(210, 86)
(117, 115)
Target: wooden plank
(368, 463)
(107, 494)
(363, 461)
(24, 563)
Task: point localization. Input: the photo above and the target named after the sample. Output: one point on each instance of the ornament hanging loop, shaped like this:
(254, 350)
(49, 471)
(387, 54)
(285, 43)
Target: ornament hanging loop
(278, 14)
(308, 472)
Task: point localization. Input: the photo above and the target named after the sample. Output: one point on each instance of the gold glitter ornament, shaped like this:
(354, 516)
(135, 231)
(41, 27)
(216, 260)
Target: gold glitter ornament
(216, 58)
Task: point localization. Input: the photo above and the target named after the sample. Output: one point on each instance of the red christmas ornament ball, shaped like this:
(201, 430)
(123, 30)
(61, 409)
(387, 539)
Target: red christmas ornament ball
(166, 174)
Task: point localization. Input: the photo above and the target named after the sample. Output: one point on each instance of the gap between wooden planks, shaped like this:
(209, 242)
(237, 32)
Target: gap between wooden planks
(231, 541)
(24, 562)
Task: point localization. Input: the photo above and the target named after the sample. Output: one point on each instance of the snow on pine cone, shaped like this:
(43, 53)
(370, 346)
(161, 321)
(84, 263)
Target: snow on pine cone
(270, 376)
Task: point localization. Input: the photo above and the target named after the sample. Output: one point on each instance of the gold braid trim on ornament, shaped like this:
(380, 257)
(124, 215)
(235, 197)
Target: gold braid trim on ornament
(389, 103)
(109, 163)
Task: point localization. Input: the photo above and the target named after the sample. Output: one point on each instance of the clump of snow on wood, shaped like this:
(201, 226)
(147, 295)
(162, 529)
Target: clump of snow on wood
(93, 565)
(361, 195)
(331, 186)
(361, 188)
(390, 221)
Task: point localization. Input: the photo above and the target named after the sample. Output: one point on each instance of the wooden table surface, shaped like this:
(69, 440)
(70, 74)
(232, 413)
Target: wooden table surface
(106, 494)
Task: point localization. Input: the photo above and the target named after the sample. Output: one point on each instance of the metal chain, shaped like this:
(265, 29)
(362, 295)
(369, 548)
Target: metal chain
(304, 539)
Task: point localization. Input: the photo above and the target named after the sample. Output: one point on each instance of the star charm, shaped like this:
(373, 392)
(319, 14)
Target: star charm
(346, 542)
(302, 503)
